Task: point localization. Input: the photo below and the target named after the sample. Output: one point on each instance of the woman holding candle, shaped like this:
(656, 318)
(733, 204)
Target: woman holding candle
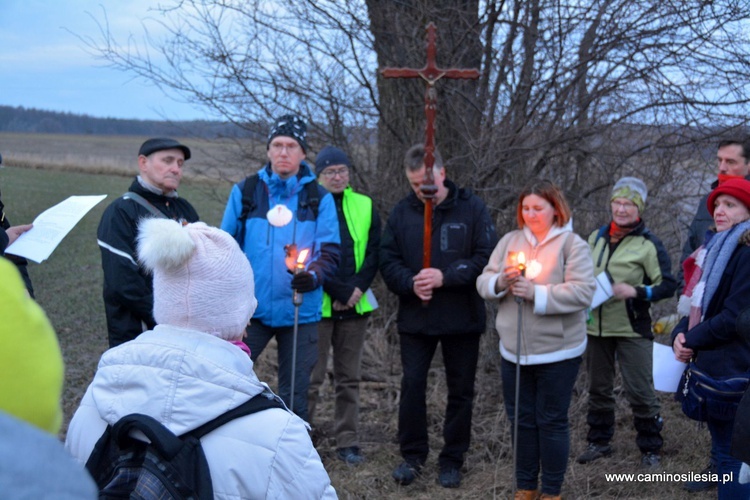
(639, 268)
(554, 293)
(717, 277)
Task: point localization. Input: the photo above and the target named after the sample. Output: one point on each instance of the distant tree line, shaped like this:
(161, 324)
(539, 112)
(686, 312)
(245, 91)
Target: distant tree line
(31, 120)
(577, 92)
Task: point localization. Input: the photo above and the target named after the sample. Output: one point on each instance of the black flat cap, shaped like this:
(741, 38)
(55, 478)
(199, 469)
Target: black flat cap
(160, 144)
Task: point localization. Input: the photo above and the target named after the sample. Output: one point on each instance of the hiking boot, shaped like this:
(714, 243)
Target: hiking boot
(650, 460)
(449, 477)
(594, 452)
(547, 496)
(406, 473)
(526, 495)
(350, 455)
(697, 486)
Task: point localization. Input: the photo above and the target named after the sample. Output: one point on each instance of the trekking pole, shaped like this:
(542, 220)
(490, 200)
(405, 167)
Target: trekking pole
(519, 301)
(297, 301)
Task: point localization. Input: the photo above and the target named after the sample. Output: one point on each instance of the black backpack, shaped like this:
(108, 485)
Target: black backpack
(169, 467)
(312, 200)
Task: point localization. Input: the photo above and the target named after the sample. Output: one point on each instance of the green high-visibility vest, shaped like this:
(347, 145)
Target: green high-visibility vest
(357, 210)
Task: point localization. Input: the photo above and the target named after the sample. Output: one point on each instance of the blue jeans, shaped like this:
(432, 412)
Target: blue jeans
(543, 427)
(721, 440)
(258, 336)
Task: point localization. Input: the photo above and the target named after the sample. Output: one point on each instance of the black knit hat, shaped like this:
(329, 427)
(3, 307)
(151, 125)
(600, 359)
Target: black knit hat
(290, 126)
(160, 144)
(328, 156)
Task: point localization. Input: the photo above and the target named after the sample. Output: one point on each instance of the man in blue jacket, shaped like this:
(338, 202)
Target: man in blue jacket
(463, 237)
(276, 215)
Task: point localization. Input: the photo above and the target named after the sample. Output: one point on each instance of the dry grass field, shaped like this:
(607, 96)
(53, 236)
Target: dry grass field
(43, 170)
(116, 154)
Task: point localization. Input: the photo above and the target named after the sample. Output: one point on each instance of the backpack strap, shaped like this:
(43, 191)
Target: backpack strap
(248, 205)
(248, 196)
(602, 231)
(312, 200)
(144, 203)
(162, 438)
(263, 401)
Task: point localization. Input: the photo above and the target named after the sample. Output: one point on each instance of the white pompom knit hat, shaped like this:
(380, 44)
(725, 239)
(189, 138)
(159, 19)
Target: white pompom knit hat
(202, 280)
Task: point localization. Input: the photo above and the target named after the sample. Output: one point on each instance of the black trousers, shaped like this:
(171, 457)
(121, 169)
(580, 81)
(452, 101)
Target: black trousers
(460, 355)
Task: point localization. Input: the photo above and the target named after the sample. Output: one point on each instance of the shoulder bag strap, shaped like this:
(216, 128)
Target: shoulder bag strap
(144, 203)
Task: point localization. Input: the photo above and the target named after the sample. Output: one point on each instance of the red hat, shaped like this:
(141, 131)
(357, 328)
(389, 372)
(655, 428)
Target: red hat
(737, 188)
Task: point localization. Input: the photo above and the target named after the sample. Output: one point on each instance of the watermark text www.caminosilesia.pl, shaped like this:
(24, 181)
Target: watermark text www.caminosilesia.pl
(664, 477)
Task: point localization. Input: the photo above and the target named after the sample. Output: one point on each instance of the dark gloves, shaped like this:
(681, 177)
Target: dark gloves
(304, 282)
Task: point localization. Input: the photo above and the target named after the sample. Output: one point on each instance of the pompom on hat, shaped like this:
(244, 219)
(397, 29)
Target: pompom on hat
(738, 188)
(330, 155)
(633, 189)
(290, 126)
(202, 280)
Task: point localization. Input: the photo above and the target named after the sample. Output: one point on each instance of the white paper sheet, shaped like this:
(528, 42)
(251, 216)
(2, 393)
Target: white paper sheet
(51, 226)
(667, 370)
(603, 290)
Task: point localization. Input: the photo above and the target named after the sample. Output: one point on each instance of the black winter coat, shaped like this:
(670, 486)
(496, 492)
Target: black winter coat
(128, 289)
(463, 237)
(720, 350)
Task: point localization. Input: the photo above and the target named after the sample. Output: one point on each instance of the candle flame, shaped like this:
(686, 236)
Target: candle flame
(521, 259)
(302, 256)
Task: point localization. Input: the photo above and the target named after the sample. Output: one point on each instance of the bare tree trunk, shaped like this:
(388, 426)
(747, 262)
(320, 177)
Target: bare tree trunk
(400, 38)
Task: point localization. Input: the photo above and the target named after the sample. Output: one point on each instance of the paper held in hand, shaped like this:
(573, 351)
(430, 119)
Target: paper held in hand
(666, 369)
(603, 290)
(51, 226)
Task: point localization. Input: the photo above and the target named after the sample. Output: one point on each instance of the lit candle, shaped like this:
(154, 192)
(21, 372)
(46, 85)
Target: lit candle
(522, 263)
(301, 260)
(299, 267)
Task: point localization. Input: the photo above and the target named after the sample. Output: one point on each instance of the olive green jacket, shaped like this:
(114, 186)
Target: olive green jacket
(640, 260)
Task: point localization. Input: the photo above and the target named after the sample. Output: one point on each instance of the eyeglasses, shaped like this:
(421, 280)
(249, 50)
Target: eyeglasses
(290, 148)
(627, 205)
(330, 174)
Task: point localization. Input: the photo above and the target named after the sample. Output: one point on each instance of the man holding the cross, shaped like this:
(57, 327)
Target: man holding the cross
(437, 304)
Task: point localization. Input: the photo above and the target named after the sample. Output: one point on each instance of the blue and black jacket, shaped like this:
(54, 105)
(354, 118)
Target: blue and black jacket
(265, 244)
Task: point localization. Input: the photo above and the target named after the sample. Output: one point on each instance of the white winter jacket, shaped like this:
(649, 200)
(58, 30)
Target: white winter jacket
(184, 378)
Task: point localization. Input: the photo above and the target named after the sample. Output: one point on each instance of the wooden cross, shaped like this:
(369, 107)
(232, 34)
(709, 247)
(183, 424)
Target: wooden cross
(431, 73)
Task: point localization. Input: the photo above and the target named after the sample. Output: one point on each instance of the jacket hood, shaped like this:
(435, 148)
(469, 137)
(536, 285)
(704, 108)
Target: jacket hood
(286, 187)
(553, 232)
(184, 378)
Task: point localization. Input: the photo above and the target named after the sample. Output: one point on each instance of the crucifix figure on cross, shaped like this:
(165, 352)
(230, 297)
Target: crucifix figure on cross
(430, 73)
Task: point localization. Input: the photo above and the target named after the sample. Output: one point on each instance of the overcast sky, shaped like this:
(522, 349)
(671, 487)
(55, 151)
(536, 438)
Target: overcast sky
(44, 66)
